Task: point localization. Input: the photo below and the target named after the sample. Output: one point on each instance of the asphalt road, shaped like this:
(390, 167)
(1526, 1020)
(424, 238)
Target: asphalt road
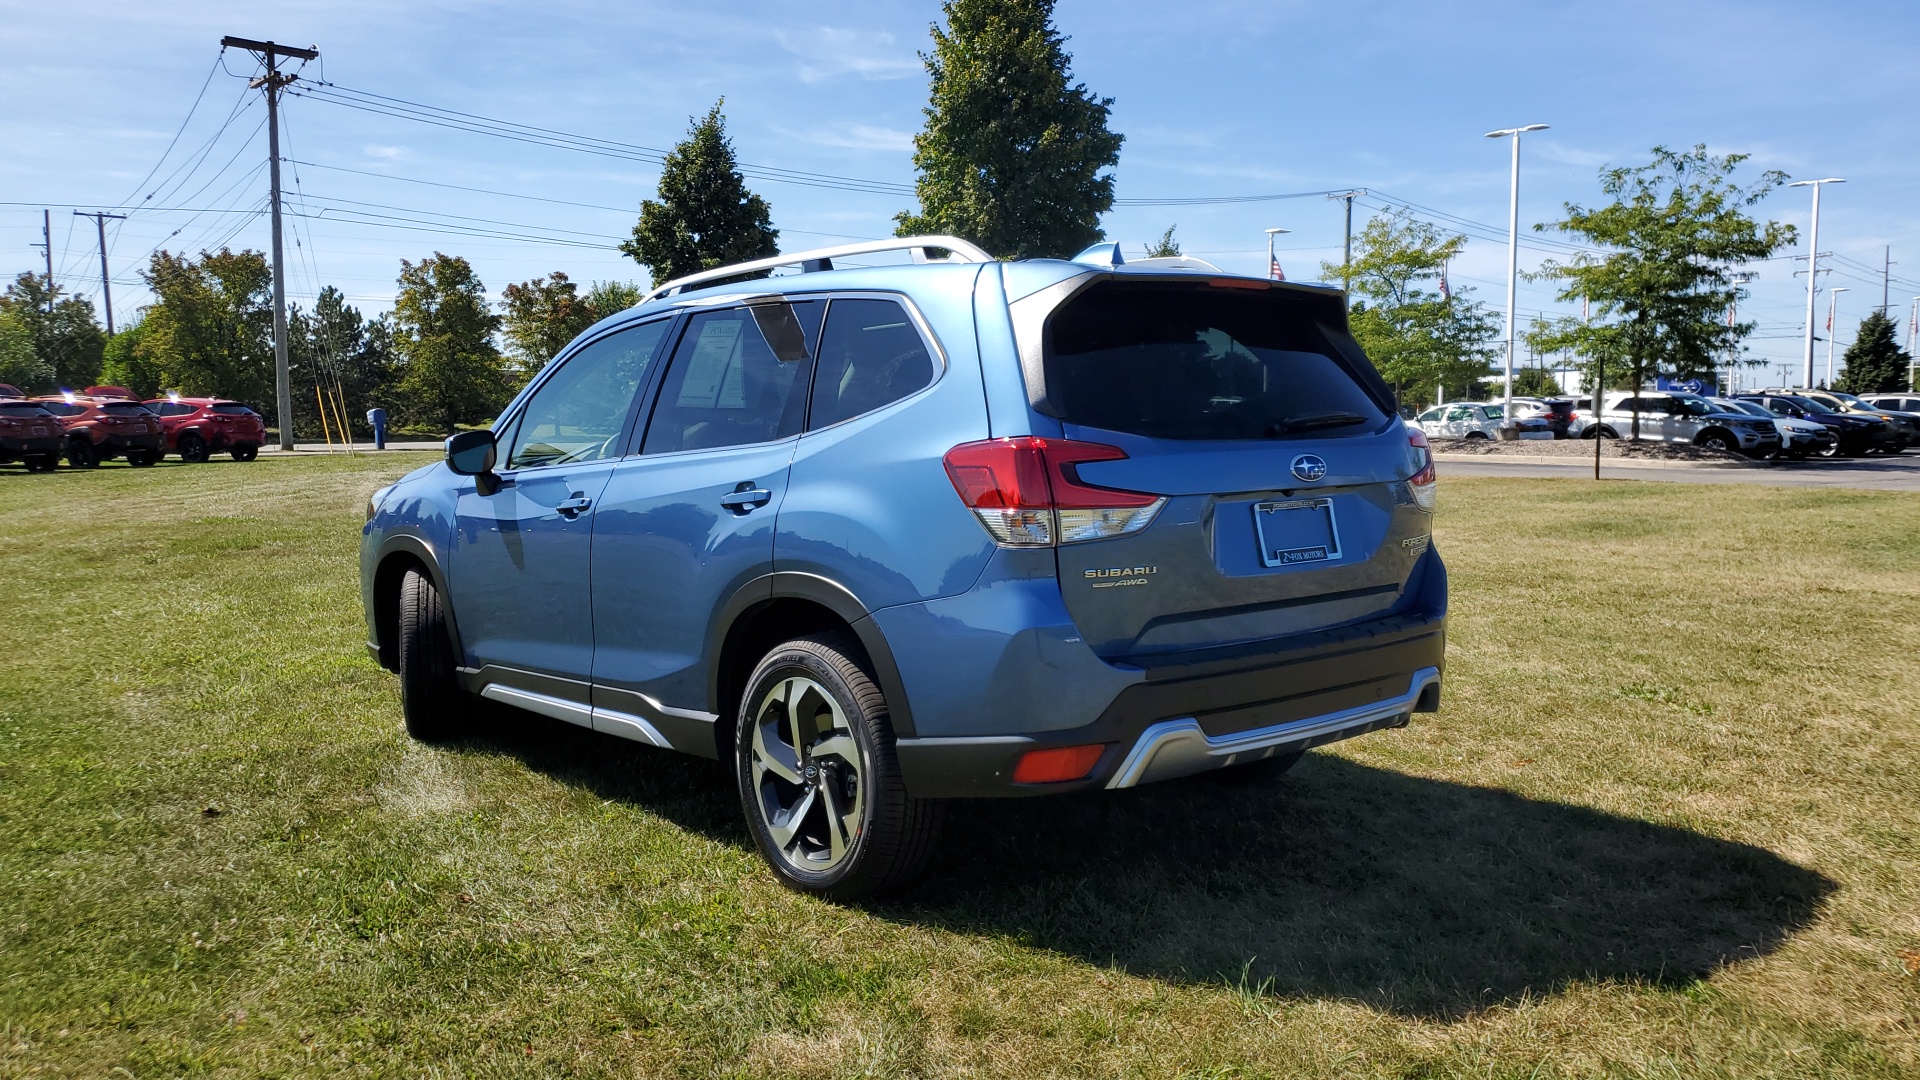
(1898, 473)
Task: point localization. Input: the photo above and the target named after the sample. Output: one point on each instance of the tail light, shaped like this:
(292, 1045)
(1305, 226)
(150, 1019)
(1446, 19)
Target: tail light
(1425, 478)
(1057, 764)
(1028, 494)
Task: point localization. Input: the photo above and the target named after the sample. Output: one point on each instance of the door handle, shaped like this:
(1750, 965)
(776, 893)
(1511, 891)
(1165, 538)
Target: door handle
(746, 498)
(574, 507)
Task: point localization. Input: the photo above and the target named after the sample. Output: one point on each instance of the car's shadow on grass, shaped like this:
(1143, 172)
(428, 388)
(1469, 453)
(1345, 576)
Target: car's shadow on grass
(1418, 896)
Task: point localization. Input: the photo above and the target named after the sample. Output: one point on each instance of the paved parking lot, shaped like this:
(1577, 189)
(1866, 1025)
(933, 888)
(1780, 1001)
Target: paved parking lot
(1898, 473)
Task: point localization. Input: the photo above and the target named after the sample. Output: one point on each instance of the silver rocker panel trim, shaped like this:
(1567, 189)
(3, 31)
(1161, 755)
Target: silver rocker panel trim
(609, 721)
(1173, 748)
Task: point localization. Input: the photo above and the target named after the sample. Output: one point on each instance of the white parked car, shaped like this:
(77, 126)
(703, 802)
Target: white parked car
(1686, 418)
(1477, 420)
(1798, 438)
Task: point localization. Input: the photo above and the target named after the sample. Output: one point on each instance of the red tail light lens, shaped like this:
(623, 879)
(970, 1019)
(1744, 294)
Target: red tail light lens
(1027, 492)
(1425, 475)
(1058, 764)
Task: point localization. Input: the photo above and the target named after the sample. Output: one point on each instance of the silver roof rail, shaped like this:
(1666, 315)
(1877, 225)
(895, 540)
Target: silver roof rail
(822, 259)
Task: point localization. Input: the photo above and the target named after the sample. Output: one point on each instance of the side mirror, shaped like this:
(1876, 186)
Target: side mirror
(472, 453)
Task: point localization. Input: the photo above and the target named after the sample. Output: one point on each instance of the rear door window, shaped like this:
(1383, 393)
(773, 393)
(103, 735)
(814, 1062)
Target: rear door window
(727, 385)
(231, 409)
(1176, 361)
(871, 355)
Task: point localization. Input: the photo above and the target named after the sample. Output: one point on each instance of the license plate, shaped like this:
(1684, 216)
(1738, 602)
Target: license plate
(1296, 531)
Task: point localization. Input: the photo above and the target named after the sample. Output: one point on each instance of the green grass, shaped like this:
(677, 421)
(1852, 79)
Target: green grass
(1667, 823)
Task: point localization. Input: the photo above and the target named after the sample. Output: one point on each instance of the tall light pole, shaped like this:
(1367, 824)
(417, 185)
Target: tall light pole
(1737, 279)
(1833, 306)
(1513, 251)
(1914, 314)
(1813, 261)
(1273, 265)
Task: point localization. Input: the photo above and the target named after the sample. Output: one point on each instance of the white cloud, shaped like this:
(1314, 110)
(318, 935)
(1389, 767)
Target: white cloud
(859, 137)
(830, 52)
(384, 153)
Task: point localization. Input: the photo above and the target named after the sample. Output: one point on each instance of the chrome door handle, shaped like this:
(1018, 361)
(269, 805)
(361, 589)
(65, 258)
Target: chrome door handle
(574, 507)
(745, 498)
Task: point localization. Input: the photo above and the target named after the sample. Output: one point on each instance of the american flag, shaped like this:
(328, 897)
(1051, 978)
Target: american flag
(1274, 271)
(1446, 292)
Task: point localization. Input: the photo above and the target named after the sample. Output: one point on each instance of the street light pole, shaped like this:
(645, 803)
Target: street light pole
(1273, 265)
(1813, 261)
(1833, 306)
(1513, 252)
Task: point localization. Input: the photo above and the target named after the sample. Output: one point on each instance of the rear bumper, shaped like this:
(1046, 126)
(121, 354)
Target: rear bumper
(35, 444)
(120, 444)
(1214, 709)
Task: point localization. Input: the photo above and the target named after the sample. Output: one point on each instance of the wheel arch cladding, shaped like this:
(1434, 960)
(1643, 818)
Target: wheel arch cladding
(406, 553)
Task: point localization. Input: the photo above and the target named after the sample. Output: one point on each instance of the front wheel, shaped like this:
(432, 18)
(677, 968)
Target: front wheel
(82, 455)
(194, 448)
(245, 452)
(431, 700)
(819, 781)
(142, 459)
(1718, 440)
(42, 463)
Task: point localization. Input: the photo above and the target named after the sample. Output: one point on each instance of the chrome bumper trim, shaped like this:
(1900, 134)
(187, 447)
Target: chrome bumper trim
(609, 721)
(1173, 748)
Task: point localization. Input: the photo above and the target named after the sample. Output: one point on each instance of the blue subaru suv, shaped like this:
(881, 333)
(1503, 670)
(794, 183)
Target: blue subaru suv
(882, 537)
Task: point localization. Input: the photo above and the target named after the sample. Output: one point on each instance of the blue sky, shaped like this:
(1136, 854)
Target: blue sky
(1215, 98)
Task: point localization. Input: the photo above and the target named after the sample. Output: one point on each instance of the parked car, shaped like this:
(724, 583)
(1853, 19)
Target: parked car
(886, 536)
(1906, 403)
(31, 435)
(1559, 413)
(10, 391)
(98, 431)
(1477, 420)
(197, 427)
(1906, 426)
(1855, 433)
(1667, 416)
(1798, 438)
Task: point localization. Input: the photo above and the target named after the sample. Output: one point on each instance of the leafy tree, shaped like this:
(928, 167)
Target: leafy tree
(705, 217)
(1014, 153)
(210, 330)
(336, 344)
(121, 364)
(65, 339)
(540, 317)
(20, 364)
(449, 369)
(1422, 340)
(1166, 247)
(612, 297)
(1535, 382)
(1661, 284)
(1875, 361)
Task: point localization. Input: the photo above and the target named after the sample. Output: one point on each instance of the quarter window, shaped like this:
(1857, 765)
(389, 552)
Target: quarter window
(870, 356)
(580, 412)
(727, 386)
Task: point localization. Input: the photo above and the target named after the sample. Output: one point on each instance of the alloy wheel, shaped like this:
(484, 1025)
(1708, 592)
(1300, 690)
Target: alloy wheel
(808, 781)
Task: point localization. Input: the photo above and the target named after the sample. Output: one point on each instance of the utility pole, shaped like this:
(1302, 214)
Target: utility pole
(1833, 308)
(106, 290)
(1513, 254)
(1346, 256)
(273, 81)
(1813, 263)
(1886, 278)
(46, 243)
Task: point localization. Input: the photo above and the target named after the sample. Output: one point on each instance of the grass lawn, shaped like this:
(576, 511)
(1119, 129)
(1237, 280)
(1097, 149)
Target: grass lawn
(1667, 823)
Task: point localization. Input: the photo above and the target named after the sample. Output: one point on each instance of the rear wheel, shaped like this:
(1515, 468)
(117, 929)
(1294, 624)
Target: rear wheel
(245, 452)
(42, 462)
(430, 696)
(819, 782)
(141, 459)
(193, 448)
(1472, 435)
(81, 454)
(1832, 449)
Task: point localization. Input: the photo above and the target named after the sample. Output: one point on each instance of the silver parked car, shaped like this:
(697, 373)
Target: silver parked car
(1686, 418)
(1798, 438)
(1478, 420)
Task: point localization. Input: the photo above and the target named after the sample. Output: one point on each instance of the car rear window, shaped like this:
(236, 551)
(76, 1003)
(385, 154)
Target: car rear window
(21, 408)
(1176, 361)
(232, 409)
(63, 408)
(126, 408)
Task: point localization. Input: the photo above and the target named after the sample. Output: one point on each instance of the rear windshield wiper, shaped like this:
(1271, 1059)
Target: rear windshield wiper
(1315, 423)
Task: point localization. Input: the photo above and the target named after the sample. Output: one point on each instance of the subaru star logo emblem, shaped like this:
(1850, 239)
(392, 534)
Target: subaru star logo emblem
(1309, 467)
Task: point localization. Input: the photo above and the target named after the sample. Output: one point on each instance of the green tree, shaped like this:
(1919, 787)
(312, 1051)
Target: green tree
(449, 370)
(1662, 282)
(121, 364)
(1166, 247)
(336, 344)
(65, 336)
(612, 297)
(210, 328)
(540, 317)
(1875, 361)
(1535, 382)
(1014, 154)
(1423, 341)
(20, 364)
(705, 216)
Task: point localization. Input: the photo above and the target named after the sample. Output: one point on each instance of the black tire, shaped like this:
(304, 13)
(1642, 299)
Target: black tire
(1254, 773)
(1716, 439)
(193, 448)
(82, 455)
(245, 452)
(892, 834)
(431, 700)
(142, 459)
(42, 463)
(1601, 432)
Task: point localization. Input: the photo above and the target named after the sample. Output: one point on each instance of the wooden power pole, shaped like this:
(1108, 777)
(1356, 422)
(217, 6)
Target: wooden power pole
(273, 81)
(106, 289)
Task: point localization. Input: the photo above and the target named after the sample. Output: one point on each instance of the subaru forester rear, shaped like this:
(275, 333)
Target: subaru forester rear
(889, 536)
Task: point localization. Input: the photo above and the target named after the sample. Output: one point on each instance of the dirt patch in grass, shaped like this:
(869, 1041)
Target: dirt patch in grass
(1624, 449)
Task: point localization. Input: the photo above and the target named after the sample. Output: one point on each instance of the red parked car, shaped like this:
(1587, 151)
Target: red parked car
(196, 427)
(99, 431)
(30, 434)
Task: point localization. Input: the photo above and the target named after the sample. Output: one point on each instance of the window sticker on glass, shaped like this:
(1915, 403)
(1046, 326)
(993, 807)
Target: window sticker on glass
(713, 378)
